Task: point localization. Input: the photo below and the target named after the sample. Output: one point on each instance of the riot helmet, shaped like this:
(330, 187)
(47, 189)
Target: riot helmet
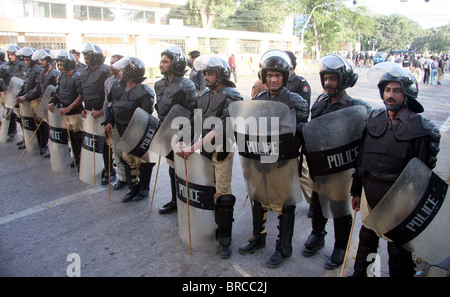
(42, 55)
(208, 62)
(395, 73)
(94, 52)
(275, 60)
(132, 69)
(2, 55)
(178, 59)
(27, 52)
(68, 60)
(11, 49)
(342, 68)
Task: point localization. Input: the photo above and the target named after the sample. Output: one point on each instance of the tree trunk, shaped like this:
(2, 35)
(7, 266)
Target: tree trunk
(316, 38)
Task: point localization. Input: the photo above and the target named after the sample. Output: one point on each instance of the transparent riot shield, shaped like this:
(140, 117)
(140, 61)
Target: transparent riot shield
(332, 145)
(201, 218)
(139, 134)
(165, 138)
(15, 85)
(264, 132)
(91, 160)
(415, 213)
(9, 100)
(59, 142)
(29, 128)
(42, 110)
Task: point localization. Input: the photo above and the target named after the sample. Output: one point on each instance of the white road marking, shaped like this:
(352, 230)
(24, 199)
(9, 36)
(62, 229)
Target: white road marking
(47, 205)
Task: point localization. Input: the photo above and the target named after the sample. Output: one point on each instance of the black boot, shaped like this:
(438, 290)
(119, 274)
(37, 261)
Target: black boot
(172, 205)
(342, 228)
(368, 244)
(283, 247)
(134, 189)
(145, 173)
(225, 204)
(316, 239)
(77, 138)
(258, 238)
(400, 261)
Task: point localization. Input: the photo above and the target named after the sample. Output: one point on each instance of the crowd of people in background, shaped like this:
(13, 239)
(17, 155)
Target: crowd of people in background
(426, 69)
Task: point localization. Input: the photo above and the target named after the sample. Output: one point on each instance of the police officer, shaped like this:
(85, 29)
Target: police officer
(126, 95)
(79, 67)
(48, 76)
(196, 76)
(336, 75)
(116, 74)
(214, 102)
(173, 89)
(32, 72)
(14, 68)
(393, 136)
(298, 84)
(69, 100)
(275, 71)
(93, 92)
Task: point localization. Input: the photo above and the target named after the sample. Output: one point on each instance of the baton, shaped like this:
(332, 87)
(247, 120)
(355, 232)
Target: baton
(154, 186)
(109, 165)
(187, 205)
(348, 244)
(9, 112)
(93, 140)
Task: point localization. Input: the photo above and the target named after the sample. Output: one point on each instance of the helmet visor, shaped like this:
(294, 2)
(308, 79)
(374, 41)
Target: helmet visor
(376, 72)
(40, 55)
(122, 63)
(335, 62)
(89, 47)
(206, 62)
(25, 51)
(277, 53)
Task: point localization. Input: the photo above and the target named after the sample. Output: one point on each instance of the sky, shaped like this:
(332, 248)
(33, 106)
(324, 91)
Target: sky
(433, 14)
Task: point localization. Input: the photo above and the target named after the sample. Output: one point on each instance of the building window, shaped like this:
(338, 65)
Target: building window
(44, 10)
(80, 12)
(58, 11)
(93, 13)
(138, 16)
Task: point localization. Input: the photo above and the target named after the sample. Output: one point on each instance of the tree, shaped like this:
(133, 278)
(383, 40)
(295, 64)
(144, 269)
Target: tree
(332, 23)
(260, 16)
(395, 32)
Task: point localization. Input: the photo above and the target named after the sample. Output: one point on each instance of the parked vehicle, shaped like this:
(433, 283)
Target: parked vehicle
(379, 57)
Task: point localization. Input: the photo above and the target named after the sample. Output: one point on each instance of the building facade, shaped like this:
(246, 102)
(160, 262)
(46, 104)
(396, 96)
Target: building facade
(129, 27)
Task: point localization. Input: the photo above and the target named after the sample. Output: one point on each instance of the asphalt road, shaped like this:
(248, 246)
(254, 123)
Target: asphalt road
(50, 222)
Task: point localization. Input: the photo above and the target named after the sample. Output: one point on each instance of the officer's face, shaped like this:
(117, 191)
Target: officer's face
(86, 59)
(27, 61)
(274, 80)
(393, 94)
(43, 63)
(60, 65)
(331, 82)
(113, 70)
(11, 56)
(164, 64)
(210, 78)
